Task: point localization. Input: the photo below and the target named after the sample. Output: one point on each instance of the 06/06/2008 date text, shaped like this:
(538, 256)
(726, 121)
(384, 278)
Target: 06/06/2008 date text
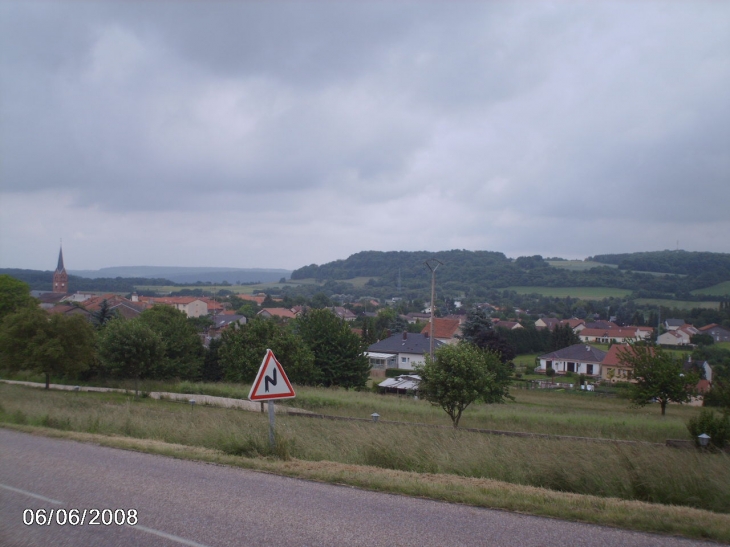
(80, 517)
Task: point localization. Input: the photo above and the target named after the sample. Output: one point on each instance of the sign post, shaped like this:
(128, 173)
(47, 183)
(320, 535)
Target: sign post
(271, 383)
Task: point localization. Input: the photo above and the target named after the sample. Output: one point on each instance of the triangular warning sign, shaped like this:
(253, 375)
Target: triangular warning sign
(271, 382)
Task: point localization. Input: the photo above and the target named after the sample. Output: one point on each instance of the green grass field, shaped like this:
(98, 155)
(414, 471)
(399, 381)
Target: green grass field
(721, 289)
(578, 265)
(680, 304)
(586, 293)
(237, 289)
(688, 490)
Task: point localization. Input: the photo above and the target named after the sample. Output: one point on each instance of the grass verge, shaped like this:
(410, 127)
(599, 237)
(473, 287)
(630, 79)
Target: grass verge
(479, 492)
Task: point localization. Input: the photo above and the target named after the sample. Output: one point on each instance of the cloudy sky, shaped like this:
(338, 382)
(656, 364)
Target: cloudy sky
(278, 134)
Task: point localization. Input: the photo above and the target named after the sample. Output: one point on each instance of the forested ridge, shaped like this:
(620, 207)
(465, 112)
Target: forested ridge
(40, 280)
(709, 268)
(463, 270)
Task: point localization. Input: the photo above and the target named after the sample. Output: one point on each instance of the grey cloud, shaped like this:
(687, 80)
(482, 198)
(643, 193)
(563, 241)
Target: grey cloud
(487, 113)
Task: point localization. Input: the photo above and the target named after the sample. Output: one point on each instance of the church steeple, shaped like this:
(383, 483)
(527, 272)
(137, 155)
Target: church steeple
(60, 267)
(60, 277)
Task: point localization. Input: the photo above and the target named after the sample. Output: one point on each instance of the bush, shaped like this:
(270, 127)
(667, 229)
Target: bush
(717, 427)
(393, 372)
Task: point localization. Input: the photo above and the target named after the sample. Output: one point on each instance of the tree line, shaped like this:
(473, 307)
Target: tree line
(163, 344)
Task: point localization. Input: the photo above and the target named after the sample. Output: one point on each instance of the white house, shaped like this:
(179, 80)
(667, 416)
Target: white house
(578, 358)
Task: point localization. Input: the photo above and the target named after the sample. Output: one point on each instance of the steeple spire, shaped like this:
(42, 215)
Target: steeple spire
(60, 268)
(60, 277)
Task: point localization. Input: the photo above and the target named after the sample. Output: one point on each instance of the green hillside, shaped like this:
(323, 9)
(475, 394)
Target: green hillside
(474, 273)
(721, 289)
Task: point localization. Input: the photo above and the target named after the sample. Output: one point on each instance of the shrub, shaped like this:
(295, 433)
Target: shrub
(717, 427)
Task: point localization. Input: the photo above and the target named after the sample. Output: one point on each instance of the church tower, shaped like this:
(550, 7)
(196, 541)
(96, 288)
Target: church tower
(60, 277)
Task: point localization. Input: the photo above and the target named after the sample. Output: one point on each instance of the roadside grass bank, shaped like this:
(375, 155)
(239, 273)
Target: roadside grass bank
(571, 413)
(478, 492)
(648, 473)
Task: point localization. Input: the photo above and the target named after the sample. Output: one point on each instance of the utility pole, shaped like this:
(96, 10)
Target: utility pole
(433, 296)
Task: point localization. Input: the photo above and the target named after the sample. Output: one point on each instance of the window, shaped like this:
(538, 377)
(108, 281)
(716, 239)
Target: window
(589, 369)
(571, 367)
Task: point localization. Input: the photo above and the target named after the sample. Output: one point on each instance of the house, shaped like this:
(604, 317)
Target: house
(280, 313)
(509, 325)
(258, 299)
(403, 351)
(414, 317)
(460, 317)
(673, 324)
(222, 322)
(576, 324)
(47, 299)
(547, 323)
(619, 335)
(343, 313)
(551, 323)
(68, 310)
(601, 324)
(214, 307)
(190, 305)
(702, 368)
(578, 358)
(444, 330)
(128, 309)
(718, 333)
(612, 367)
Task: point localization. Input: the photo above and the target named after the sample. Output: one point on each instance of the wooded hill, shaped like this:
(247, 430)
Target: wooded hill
(473, 273)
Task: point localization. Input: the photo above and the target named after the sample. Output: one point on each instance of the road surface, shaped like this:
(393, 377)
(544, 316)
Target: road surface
(196, 504)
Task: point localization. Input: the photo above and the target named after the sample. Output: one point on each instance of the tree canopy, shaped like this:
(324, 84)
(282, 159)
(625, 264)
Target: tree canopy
(460, 374)
(14, 295)
(184, 352)
(131, 349)
(479, 331)
(659, 376)
(338, 352)
(55, 345)
(244, 347)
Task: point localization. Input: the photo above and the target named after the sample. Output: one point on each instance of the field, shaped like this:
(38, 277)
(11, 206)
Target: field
(680, 304)
(721, 289)
(357, 282)
(237, 289)
(578, 265)
(586, 293)
(603, 472)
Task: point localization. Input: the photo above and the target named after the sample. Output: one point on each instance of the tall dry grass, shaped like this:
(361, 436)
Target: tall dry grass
(632, 472)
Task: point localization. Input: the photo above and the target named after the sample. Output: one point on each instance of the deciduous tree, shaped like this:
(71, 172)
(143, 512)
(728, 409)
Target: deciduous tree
(243, 348)
(52, 345)
(460, 374)
(338, 352)
(131, 349)
(14, 295)
(478, 330)
(184, 350)
(659, 376)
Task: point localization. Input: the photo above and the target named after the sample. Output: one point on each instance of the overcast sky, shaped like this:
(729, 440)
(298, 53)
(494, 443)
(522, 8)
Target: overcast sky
(279, 134)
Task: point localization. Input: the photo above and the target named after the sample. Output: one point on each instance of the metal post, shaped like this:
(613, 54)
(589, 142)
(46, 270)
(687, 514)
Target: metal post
(272, 440)
(433, 299)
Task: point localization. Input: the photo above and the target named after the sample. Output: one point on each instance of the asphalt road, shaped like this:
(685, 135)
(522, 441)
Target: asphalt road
(196, 504)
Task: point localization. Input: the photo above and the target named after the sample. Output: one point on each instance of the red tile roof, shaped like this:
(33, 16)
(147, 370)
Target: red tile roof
(442, 328)
(613, 357)
(278, 312)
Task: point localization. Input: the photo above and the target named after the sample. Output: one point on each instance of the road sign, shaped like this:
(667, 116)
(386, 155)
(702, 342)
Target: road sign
(271, 382)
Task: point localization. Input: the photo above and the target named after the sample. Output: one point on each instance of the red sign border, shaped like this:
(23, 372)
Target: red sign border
(260, 376)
